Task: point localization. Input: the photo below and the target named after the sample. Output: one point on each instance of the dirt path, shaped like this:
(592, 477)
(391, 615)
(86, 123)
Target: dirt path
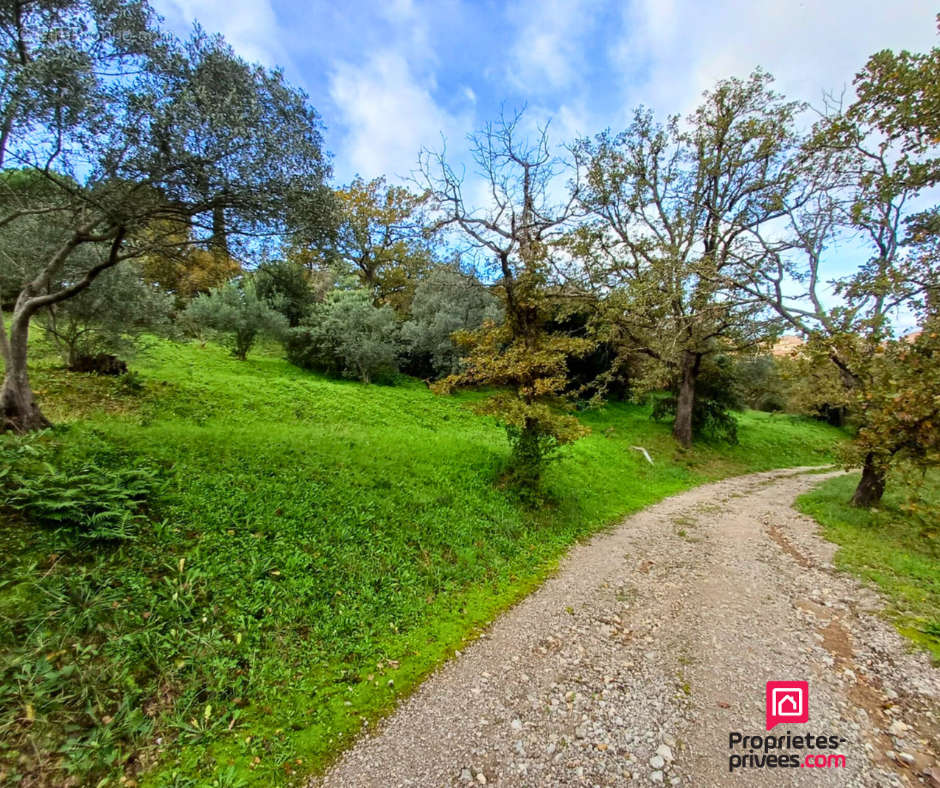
(652, 644)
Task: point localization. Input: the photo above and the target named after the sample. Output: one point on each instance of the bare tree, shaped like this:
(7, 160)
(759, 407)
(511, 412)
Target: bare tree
(517, 232)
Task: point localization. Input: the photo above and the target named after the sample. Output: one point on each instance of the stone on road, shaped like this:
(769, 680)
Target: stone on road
(652, 643)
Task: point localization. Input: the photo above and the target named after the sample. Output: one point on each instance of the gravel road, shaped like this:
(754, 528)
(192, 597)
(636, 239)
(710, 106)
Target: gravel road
(652, 643)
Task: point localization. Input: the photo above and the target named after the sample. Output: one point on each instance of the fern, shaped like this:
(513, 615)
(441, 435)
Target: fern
(93, 502)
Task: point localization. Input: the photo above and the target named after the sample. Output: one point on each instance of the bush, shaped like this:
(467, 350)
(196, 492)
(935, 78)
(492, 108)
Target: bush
(236, 315)
(88, 500)
(107, 318)
(446, 301)
(347, 335)
(288, 287)
(759, 384)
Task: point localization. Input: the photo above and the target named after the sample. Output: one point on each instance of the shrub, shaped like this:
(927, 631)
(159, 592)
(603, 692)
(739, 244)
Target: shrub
(759, 384)
(235, 314)
(88, 500)
(108, 318)
(347, 335)
(288, 287)
(445, 302)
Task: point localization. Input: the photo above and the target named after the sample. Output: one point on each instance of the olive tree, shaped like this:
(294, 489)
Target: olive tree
(132, 131)
(446, 301)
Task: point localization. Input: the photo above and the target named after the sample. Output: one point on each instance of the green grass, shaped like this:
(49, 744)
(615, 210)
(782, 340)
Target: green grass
(886, 546)
(322, 546)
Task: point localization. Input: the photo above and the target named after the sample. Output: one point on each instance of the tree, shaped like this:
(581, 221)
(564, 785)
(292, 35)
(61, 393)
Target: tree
(184, 269)
(672, 207)
(518, 234)
(237, 314)
(290, 287)
(381, 236)
(446, 301)
(130, 131)
(874, 165)
(107, 318)
(347, 335)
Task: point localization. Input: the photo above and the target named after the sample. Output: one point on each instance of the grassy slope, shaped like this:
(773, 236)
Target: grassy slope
(324, 545)
(887, 548)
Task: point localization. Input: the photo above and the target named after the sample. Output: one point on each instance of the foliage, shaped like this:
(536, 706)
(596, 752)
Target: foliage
(446, 301)
(187, 271)
(312, 530)
(381, 237)
(109, 318)
(519, 233)
(891, 546)
(533, 409)
(91, 501)
(715, 397)
(288, 286)
(759, 383)
(136, 135)
(672, 206)
(347, 335)
(899, 410)
(236, 314)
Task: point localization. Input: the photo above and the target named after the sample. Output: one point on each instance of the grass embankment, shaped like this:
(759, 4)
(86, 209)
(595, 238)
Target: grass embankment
(321, 547)
(888, 547)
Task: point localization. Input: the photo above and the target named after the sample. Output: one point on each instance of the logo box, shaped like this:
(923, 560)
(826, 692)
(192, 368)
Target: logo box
(787, 702)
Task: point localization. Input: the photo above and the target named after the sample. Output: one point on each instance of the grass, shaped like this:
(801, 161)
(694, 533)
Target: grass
(322, 545)
(888, 547)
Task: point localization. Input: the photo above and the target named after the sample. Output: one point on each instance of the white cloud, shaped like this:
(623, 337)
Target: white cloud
(250, 26)
(386, 115)
(548, 51)
(672, 50)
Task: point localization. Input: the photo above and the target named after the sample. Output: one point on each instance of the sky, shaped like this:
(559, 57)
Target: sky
(389, 78)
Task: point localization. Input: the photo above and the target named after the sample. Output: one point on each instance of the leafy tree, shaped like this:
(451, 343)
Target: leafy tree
(382, 238)
(517, 232)
(715, 398)
(129, 129)
(237, 314)
(872, 165)
(290, 287)
(446, 301)
(759, 383)
(672, 206)
(184, 269)
(107, 318)
(347, 335)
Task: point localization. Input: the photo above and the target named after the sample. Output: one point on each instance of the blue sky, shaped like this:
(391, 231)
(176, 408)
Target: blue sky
(391, 77)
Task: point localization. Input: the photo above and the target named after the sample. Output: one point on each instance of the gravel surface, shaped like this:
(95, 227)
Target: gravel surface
(652, 643)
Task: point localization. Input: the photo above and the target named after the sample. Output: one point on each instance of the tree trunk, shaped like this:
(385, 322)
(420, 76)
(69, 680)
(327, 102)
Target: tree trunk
(18, 409)
(872, 486)
(682, 428)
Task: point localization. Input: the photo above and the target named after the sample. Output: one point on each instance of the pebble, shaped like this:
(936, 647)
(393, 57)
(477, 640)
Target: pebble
(657, 761)
(664, 752)
(657, 776)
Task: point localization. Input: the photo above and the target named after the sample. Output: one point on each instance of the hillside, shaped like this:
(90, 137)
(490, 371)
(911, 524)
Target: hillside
(320, 547)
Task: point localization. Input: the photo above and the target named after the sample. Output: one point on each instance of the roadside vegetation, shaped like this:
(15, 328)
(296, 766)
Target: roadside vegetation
(272, 447)
(316, 547)
(896, 547)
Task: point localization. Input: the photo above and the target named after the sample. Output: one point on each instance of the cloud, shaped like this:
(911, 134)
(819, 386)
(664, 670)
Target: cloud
(548, 52)
(386, 114)
(672, 50)
(250, 26)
